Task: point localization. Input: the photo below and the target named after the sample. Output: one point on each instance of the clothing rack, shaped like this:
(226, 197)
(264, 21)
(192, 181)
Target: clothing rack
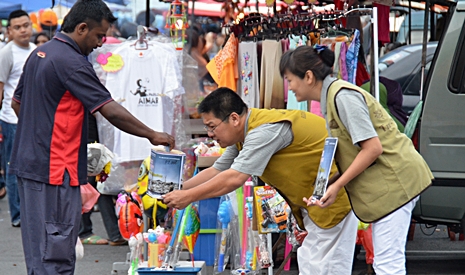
(257, 27)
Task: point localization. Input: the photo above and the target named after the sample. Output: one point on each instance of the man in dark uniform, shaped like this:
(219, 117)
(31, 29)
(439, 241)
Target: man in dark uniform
(56, 92)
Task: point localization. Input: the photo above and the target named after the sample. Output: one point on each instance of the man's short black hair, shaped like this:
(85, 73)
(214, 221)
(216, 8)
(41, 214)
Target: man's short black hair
(16, 14)
(91, 12)
(221, 103)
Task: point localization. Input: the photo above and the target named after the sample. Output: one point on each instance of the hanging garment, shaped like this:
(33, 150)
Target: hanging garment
(352, 57)
(342, 63)
(223, 67)
(271, 82)
(146, 85)
(383, 23)
(286, 44)
(292, 103)
(248, 87)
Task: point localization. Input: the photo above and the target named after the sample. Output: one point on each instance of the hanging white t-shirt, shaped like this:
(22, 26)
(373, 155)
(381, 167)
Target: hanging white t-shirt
(12, 59)
(145, 86)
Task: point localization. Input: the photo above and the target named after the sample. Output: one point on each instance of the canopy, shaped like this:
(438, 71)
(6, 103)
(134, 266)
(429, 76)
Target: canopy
(35, 5)
(7, 8)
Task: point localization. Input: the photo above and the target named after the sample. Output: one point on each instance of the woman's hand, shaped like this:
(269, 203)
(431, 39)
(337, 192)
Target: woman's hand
(328, 199)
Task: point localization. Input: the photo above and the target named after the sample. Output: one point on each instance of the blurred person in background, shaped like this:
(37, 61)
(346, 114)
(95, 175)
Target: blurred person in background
(197, 50)
(48, 21)
(49, 155)
(41, 38)
(12, 57)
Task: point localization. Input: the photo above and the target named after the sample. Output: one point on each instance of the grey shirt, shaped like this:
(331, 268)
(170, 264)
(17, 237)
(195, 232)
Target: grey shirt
(352, 110)
(259, 146)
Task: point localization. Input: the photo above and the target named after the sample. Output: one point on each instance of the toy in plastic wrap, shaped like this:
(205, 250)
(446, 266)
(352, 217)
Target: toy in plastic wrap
(188, 232)
(264, 259)
(152, 207)
(295, 235)
(135, 245)
(171, 248)
(192, 229)
(130, 220)
(271, 210)
(224, 217)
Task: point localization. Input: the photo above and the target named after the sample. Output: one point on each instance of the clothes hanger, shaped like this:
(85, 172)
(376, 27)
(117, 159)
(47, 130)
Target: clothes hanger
(141, 42)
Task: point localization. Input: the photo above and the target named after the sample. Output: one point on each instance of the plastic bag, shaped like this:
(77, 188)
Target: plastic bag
(97, 157)
(89, 197)
(79, 249)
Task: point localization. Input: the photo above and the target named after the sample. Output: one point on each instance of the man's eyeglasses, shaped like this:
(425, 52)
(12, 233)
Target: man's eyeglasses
(212, 129)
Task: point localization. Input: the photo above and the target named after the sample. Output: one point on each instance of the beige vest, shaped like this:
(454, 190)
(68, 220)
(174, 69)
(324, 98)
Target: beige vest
(396, 177)
(292, 171)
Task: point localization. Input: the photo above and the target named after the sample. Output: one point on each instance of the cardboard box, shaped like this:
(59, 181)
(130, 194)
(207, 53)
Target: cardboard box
(206, 161)
(165, 173)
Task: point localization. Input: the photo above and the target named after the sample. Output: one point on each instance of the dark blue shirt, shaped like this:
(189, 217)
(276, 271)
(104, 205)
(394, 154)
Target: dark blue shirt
(57, 90)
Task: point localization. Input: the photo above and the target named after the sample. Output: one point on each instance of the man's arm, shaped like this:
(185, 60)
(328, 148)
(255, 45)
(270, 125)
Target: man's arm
(125, 121)
(15, 105)
(223, 183)
(2, 85)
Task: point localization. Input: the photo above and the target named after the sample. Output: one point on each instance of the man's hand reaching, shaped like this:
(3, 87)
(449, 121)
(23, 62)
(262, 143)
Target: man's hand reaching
(160, 138)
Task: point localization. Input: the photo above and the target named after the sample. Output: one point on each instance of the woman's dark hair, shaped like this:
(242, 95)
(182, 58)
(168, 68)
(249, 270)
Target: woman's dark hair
(221, 103)
(305, 58)
(91, 12)
(41, 34)
(195, 36)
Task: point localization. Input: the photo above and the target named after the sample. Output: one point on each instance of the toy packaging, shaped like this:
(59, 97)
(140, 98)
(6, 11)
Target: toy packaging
(271, 210)
(166, 171)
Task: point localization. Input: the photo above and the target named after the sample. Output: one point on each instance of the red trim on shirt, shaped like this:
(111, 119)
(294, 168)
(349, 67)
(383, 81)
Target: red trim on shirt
(66, 140)
(99, 106)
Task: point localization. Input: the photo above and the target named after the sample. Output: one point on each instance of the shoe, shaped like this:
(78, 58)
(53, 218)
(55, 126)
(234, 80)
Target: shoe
(94, 239)
(2, 192)
(16, 223)
(119, 242)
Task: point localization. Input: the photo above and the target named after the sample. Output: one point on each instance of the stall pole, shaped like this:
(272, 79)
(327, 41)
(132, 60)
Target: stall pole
(147, 13)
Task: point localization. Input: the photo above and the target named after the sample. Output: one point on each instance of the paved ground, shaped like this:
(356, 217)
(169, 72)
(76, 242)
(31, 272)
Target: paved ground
(98, 259)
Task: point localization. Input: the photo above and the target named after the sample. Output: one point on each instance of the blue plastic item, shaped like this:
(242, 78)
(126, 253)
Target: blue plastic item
(176, 271)
(204, 249)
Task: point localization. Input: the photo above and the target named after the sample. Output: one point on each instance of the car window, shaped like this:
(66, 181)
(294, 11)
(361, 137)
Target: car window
(456, 82)
(414, 86)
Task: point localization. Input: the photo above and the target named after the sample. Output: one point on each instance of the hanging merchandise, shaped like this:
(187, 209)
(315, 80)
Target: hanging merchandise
(245, 249)
(248, 87)
(176, 22)
(225, 214)
(223, 67)
(271, 210)
(144, 76)
(128, 208)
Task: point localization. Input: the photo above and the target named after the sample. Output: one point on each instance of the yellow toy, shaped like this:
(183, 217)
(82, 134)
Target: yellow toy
(149, 204)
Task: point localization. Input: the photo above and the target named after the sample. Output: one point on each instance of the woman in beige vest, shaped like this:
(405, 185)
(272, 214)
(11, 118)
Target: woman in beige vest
(380, 169)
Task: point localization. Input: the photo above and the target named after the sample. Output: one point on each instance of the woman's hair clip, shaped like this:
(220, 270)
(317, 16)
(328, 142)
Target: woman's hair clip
(319, 48)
